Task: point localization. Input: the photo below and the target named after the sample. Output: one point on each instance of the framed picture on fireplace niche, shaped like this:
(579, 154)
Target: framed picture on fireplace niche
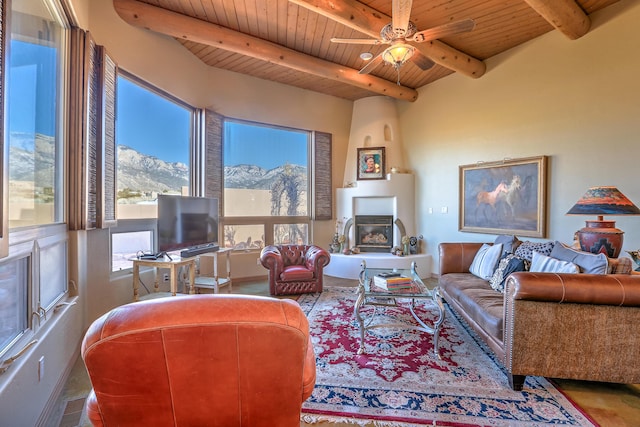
(371, 163)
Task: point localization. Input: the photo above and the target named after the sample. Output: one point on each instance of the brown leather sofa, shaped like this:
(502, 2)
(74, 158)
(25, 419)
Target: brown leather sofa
(575, 326)
(200, 360)
(294, 269)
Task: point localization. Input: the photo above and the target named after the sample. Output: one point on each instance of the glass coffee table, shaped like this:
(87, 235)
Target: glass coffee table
(372, 295)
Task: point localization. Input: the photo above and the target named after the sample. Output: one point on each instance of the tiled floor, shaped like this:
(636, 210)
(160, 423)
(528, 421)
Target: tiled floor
(611, 405)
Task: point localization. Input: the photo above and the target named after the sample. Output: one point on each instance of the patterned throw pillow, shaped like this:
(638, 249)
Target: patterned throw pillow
(620, 265)
(525, 250)
(507, 265)
(485, 261)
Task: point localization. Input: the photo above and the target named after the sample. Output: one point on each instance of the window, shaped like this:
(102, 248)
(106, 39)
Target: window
(13, 301)
(32, 280)
(35, 114)
(127, 240)
(153, 137)
(266, 185)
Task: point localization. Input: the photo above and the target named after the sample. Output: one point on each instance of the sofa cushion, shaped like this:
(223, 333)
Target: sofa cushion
(588, 262)
(296, 273)
(526, 248)
(545, 264)
(507, 265)
(485, 261)
(477, 299)
(509, 243)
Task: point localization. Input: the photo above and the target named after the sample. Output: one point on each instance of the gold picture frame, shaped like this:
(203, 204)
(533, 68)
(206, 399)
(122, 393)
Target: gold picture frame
(371, 163)
(504, 197)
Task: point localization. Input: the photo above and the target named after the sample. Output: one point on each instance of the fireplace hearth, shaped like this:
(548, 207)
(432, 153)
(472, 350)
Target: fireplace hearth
(374, 233)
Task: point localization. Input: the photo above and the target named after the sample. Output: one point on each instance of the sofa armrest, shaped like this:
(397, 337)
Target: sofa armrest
(608, 289)
(577, 326)
(457, 257)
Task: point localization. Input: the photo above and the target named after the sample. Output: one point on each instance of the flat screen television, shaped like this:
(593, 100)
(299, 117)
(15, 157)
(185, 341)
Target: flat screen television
(186, 222)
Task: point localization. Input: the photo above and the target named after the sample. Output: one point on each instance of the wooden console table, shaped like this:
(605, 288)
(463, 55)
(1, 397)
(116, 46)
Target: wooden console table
(173, 265)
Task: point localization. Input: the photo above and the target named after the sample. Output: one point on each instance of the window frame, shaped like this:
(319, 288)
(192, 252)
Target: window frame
(126, 225)
(270, 221)
(28, 242)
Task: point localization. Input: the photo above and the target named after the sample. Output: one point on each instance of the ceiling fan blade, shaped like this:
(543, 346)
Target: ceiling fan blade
(421, 61)
(371, 65)
(400, 14)
(357, 41)
(444, 30)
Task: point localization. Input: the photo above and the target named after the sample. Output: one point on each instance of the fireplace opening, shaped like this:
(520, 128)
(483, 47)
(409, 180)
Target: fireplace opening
(374, 233)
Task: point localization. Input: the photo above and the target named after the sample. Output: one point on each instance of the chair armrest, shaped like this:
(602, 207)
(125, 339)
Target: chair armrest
(606, 289)
(457, 257)
(271, 258)
(93, 410)
(309, 373)
(316, 258)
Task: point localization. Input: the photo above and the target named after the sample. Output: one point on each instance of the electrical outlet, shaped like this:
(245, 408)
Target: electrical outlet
(165, 277)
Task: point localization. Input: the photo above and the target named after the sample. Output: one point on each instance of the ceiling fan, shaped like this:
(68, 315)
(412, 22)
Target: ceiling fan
(402, 30)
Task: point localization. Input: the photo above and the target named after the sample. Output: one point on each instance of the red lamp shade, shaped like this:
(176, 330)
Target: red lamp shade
(601, 236)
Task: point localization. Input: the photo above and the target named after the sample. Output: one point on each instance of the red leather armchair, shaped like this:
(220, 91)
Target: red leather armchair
(294, 269)
(200, 360)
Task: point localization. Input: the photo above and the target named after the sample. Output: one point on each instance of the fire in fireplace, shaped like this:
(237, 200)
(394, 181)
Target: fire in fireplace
(374, 233)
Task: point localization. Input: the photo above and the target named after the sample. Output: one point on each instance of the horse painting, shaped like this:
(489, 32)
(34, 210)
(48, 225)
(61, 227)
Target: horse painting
(504, 196)
(489, 198)
(511, 196)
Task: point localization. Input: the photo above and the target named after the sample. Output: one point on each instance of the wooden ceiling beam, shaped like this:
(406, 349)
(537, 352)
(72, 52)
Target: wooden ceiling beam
(565, 15)
(369, 21)
(183, 27)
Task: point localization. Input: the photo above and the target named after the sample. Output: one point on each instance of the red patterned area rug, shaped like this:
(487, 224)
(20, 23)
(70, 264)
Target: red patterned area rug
(400, 382)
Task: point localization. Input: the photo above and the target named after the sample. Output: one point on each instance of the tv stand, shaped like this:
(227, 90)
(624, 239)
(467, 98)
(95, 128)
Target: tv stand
(200, 249)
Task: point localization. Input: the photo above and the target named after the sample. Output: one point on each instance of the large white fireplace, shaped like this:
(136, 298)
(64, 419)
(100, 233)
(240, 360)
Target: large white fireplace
(393, 197)
(375, 124)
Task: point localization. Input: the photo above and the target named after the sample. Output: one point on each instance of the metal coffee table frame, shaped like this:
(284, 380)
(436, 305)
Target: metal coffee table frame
(376, 297)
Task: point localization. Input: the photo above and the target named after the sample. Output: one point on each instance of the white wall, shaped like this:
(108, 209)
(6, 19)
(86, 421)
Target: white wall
(574, 101)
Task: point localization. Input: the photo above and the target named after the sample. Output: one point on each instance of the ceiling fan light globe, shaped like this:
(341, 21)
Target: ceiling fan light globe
(398, 54)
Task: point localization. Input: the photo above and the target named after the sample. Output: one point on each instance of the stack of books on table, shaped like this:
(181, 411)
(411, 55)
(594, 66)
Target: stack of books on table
(392, 281)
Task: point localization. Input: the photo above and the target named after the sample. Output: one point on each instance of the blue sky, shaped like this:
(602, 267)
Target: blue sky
(263, 146)
(33, 70)
(155, 126)
(145, 121)
(151, 124)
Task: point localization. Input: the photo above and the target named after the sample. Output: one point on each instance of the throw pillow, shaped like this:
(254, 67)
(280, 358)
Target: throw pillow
(525, 250)
(485, 261)
(620, 265)
(588, 262)
(544, 264)
(507, 265)
(509, 243)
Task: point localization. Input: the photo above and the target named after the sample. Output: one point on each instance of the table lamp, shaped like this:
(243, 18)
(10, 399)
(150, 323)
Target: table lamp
(602, 236)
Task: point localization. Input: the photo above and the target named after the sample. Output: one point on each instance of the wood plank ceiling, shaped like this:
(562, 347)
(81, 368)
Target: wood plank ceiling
(289, 41)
